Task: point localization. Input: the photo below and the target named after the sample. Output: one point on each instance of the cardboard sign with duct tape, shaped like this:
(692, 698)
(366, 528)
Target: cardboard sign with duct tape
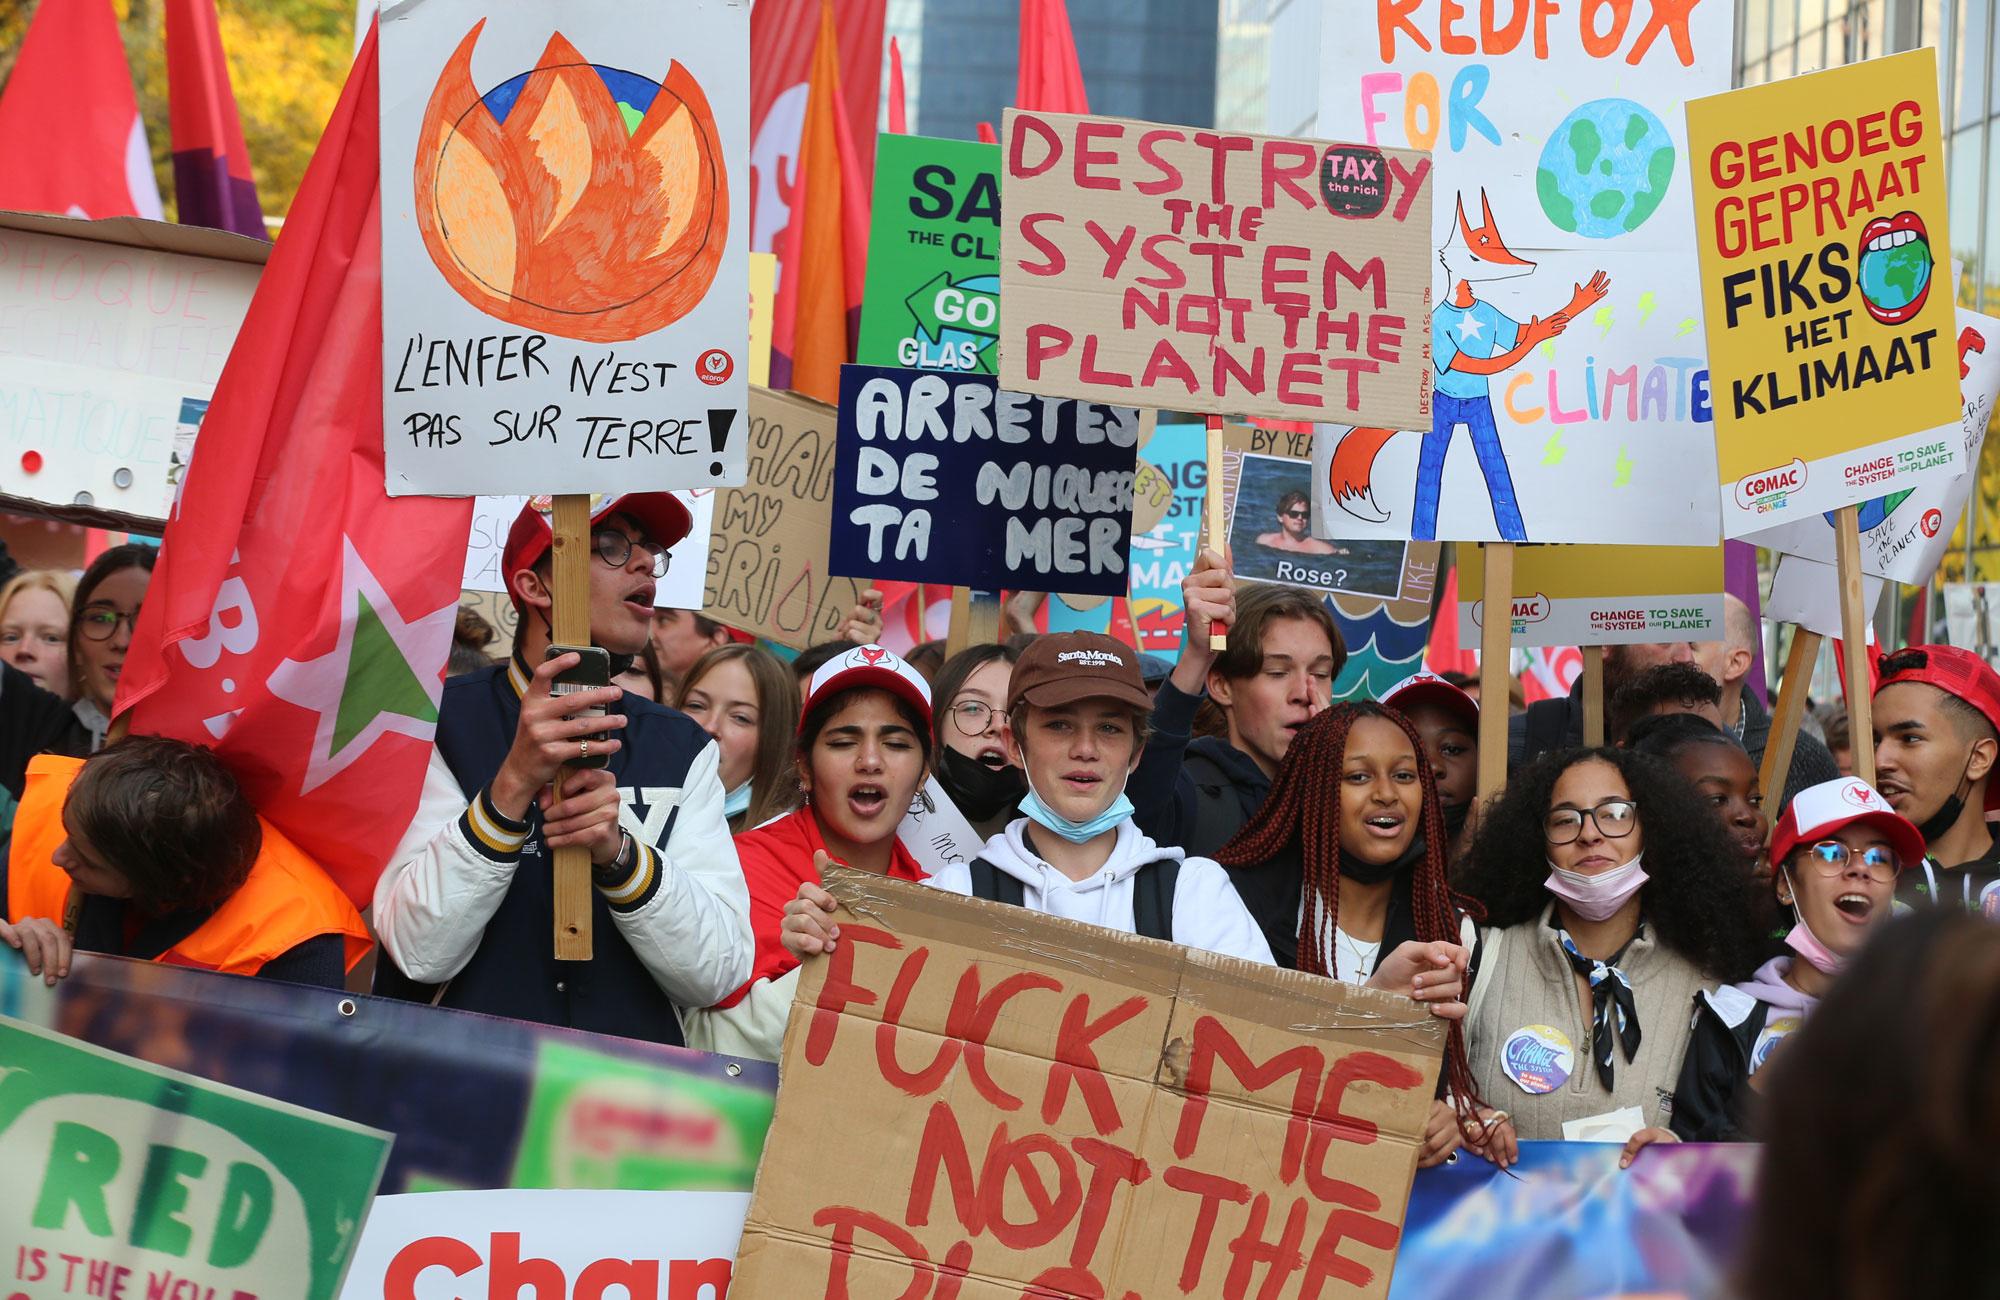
(979, 1101)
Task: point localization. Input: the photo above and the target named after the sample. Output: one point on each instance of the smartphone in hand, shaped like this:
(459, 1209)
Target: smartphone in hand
(593, 671)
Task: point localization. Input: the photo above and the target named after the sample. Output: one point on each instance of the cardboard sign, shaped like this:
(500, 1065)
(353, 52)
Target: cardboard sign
(1267, 501)
(1905, 534)
(978, 1090)
(564, 246)
(112, 335)
(1820, 208)
(767, 562)
(1561, 175)
(649, 1245)
(687, 561)
(124, 1178)
(933, 292)
(949, 478)
(1600, 595)
(1232, 274)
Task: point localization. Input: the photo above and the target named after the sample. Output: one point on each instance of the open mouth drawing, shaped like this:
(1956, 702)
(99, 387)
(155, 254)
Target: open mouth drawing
(1894, 257)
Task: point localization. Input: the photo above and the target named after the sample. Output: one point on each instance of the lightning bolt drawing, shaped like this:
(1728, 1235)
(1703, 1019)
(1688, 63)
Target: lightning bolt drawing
(1602, 319)
(1553, 450)
(1621, 470)
(1646, 305)
(1548, 349)
(1688, 327)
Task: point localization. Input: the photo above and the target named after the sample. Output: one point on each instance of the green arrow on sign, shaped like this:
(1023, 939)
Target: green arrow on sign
(923, 305)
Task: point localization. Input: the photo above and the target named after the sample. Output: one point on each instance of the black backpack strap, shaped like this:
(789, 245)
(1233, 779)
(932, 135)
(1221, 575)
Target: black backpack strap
(994, 885)
(1153, 899)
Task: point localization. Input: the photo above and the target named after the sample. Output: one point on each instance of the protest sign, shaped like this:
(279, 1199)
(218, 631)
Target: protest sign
(687, 561)
(1807, 592)
(949, 478)
(555, 1245)
(979, 1090)
(1820, 211)
(1565, 332)
(768, 570)
(1169, 490)
(564, 246)
(1905, 534)
(763, 315)
(474, 1101)
(1601, 595)
(933, 291)
(1537, 1229)
(112, 335)
(125, 1178)
(1219, 272)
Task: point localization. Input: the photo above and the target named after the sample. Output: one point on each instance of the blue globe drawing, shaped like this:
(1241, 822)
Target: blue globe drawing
(1605, 170)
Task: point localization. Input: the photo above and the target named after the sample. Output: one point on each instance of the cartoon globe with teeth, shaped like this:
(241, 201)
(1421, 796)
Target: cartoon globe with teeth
(1895, 265)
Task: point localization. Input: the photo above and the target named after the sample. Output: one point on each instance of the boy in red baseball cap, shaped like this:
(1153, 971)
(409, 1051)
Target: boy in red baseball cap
(1937, 736)
(467, 901)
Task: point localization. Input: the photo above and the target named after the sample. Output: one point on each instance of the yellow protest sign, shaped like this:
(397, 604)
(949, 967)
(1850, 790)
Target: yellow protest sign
(1601, 595)
(1820, 216)
(763, 309)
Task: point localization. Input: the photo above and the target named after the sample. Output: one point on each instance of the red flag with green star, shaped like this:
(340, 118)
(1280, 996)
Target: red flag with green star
(299, 619)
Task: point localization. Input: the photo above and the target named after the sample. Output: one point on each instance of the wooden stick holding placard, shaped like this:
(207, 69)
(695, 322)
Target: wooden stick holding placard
(1785, 718)
(569, 624)
(1593, 695)
(1854, 638)
(1218, 634)
(975, 620)
(1496, 638)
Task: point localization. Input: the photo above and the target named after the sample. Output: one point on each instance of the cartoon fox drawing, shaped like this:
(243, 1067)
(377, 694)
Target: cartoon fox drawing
(1471, 341)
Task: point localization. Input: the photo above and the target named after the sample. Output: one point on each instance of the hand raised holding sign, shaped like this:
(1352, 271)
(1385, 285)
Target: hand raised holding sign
(548, 735)
(808, 928)
(1208, 595)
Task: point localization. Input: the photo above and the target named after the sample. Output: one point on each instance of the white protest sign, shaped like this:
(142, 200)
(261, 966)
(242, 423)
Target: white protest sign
(1561, 167)
(939, 835)
(1807, 592)
(687, 562)
(564, 246)
(1904, 534)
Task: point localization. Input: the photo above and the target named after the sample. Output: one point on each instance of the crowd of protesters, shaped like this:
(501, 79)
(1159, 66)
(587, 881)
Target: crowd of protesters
(1622, 940)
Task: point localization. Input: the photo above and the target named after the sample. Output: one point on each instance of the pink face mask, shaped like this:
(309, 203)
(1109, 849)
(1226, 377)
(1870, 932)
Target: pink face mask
(1805, 943)
(1598, 897)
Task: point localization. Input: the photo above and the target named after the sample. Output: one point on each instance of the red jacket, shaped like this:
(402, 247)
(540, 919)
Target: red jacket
(777, 859)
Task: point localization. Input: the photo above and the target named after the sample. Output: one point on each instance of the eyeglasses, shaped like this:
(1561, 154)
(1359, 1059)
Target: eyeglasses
(971, 717)
(1614, 819)
(615, 549)
(102, 624)
(1831, 858)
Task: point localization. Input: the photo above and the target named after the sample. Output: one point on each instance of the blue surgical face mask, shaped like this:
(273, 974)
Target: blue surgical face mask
(1042, 815)
(737, 801)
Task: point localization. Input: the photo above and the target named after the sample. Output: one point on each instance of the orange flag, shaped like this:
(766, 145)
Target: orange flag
(823, 253)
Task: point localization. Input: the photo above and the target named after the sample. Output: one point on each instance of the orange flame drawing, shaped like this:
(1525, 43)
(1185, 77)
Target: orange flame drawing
(561, 219)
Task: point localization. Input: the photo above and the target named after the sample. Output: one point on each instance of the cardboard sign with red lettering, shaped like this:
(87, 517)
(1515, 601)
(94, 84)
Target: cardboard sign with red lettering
(979, 1100)
(1207, 271)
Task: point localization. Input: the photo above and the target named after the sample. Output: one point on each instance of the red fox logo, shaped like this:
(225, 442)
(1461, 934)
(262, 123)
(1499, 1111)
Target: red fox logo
(872, 655)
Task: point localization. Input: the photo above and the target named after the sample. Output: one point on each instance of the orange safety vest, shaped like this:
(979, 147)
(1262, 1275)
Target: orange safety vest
(286, 900)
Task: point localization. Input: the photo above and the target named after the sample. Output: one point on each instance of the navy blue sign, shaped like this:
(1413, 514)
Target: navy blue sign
(948, 478)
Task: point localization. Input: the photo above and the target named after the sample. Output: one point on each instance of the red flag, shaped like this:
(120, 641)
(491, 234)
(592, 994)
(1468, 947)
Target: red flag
(300, 619)
(899, 118)
(1444, 654)
(824, 258)
(71, 140)
(783, 36)
(213, 185)
(1049, 79)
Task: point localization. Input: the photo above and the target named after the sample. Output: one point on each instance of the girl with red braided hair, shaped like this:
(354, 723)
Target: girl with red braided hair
(1354, 887)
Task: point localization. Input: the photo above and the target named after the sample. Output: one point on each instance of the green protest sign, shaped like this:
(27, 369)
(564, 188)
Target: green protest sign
(125, 1179)
(932, 300)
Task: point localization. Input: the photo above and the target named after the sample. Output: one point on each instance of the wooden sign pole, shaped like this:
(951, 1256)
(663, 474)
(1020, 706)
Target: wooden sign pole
(570, 625)
(1593, 695)
(1218, 634)
(975, 620)
(1496, 636)
(1854, 639)
(959, 635)
(1786, 716)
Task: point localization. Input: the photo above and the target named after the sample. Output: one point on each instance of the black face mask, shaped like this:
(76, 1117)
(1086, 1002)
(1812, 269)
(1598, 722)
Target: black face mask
(1455, 816)
(980, 792)
(1946, 817)
(1374, 873)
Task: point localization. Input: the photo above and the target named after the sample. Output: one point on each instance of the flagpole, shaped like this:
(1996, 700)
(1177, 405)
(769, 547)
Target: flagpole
(570, 625)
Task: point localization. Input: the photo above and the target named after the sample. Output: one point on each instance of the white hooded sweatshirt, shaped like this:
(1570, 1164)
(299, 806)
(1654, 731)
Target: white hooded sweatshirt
(1208, 914)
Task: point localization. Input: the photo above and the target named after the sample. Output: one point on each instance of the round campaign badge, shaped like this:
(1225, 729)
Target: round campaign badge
(714, 366)
(1989, 901)
(1774, 1032)
(1538, 1057)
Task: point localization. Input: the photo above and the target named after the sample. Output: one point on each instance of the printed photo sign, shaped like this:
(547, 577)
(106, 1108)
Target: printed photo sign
(1205, 271)
(564, 246)
(1571, 398)
(1820, 212)
(949, 478)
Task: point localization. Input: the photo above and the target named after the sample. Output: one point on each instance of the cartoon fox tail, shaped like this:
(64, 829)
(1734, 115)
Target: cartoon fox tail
(1350, 476)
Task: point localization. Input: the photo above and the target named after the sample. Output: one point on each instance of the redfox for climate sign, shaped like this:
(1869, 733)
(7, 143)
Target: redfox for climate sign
(1820, 213)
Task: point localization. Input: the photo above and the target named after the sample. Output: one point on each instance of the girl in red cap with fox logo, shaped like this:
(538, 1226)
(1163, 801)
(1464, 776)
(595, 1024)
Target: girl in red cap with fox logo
(1839, 849)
